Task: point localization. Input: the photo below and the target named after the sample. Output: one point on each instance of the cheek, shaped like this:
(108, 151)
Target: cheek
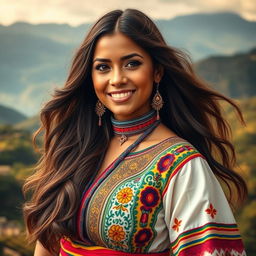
(147, 72)
(98, 83)
(145, 79)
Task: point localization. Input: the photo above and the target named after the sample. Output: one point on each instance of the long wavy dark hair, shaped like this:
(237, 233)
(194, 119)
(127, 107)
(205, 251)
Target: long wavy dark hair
(73, 141)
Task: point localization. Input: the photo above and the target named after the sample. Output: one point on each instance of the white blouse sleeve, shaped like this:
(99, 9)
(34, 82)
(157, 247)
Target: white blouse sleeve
(197, 213)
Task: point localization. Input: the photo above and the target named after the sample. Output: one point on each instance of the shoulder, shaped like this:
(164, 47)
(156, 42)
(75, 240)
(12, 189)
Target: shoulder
(178, 158)
(176, 152)
(184, 168)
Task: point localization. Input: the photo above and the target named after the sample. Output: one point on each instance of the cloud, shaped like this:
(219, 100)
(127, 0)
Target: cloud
(246, 8)
(249, 9)
(77, 12)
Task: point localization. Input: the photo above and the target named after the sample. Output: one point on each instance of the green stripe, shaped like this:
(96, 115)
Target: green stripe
(205, 238)
(226, 226)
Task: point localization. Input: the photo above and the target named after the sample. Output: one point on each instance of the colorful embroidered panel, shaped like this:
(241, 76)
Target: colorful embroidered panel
(147, 204)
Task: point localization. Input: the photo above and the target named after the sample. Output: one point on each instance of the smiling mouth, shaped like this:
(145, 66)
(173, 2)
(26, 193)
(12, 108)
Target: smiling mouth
(122, 95)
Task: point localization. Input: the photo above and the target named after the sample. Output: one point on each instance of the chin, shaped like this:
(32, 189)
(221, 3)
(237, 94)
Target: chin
(123, 115)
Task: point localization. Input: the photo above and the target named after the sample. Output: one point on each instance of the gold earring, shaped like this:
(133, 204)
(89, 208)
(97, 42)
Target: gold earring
(157, 101)
(100, 110)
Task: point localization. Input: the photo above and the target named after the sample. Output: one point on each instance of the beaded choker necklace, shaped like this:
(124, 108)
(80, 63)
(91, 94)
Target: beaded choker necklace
(135, 126)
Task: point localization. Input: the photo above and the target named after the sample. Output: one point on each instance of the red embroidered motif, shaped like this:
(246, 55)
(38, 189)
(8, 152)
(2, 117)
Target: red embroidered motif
(176, 225)
(211, 211)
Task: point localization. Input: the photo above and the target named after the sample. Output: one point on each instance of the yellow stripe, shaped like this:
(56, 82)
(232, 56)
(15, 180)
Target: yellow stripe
(89, 248)
(205, 240)
(69, 252)
(191, 239)
(233, 231)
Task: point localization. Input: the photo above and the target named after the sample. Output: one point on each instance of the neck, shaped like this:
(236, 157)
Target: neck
(126, 129)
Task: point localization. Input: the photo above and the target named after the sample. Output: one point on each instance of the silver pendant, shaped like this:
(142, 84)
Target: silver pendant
(123, 139)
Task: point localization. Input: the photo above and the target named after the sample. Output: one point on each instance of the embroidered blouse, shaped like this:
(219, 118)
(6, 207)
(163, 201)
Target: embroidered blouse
(163, 197)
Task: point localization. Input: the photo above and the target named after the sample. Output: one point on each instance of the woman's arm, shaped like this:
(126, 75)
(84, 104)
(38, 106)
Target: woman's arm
(40, 250)
(198, 214)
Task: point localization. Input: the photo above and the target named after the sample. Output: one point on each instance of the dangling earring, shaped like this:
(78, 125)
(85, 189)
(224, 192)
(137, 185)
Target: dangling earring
(157, 102)
(100, 110)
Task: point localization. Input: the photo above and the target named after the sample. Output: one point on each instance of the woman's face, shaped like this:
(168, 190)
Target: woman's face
(123, 76)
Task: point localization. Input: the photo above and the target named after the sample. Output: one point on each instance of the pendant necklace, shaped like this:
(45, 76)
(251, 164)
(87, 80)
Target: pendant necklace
(125, 129)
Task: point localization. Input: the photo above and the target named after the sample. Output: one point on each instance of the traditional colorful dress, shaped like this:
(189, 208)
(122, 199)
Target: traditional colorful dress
(163, 200)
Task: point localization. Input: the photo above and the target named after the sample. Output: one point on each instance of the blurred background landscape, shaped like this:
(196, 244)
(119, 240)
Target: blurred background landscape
(35, 59)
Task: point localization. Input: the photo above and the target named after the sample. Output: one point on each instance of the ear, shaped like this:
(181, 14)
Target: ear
(158, 73)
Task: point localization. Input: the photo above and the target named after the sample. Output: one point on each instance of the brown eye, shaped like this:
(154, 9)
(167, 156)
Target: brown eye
(101, 67)
(133, 63)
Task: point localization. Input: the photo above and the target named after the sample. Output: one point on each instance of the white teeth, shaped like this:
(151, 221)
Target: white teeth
(121, 95)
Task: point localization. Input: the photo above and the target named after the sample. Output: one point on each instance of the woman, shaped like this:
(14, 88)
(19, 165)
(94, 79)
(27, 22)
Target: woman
(132, 145)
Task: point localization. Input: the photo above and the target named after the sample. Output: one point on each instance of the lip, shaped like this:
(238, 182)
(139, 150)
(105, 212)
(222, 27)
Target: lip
(121, 91)
(123, 99)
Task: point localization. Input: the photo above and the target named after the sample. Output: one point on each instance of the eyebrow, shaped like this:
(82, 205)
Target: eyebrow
(122, 58)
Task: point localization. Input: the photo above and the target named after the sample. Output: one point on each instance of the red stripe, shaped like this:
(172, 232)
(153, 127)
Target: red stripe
(136, 127)
(213, 245)
(67, 245)
(204, 231)
(225, 226)
(63, 253)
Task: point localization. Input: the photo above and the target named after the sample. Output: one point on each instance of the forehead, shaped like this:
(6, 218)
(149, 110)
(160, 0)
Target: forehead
(116, 44)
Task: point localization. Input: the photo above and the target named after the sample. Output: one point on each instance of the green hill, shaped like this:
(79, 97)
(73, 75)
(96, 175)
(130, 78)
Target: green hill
(234, 76)
(245, 143)
(30, 124)
(10, 116)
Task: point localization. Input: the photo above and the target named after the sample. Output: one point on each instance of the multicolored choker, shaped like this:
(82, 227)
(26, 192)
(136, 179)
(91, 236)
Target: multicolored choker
(134, 126)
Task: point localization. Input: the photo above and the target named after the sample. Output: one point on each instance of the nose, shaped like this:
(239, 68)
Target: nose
(117, 77)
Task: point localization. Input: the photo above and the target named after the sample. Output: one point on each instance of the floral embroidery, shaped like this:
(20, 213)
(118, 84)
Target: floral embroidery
(143, 236)
(165, 162)
(176, 225)
(211, 211)
(116, 233)
(124, 196)
(182, 149)
(127, 206)
(149, 197)
(157, 177)
(120, 207)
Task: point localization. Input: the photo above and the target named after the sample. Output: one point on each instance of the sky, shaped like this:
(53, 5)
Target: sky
(76, 12)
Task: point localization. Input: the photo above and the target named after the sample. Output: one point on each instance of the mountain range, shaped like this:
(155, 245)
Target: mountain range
(233, 76)
(36, 58)
(10, 116)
